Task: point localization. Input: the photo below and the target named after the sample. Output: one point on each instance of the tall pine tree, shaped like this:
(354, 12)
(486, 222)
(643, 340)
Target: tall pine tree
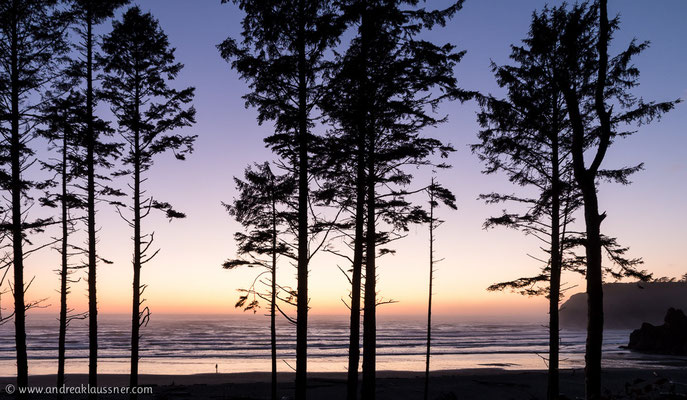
(282, 55)
(138, 63)
(385, 89)
(526, 136)
(597, 92)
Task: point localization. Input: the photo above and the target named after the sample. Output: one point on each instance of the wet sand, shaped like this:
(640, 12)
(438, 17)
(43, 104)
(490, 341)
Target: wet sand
(485, 383)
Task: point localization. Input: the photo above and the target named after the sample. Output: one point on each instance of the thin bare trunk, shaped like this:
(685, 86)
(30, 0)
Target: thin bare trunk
(273, 304)
(63, 271)
(431, 280)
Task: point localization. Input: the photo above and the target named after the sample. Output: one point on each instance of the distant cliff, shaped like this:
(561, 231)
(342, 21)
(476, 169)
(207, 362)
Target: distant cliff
(627, 305)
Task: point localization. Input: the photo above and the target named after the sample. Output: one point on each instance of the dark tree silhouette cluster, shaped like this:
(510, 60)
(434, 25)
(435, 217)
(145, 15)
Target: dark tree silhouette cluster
(282, 56)
(378, 97)
(351, 89)
(33, 43)
(49, 90)
(560, 94)
(377, 92)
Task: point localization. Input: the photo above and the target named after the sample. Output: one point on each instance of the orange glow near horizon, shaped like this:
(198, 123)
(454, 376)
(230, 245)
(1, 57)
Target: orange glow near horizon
(516, 307)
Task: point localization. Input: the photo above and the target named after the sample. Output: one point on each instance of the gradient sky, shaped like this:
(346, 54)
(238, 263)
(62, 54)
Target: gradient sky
(186, 277)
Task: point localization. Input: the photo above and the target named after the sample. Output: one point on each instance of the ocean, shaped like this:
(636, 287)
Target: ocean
(186, 344)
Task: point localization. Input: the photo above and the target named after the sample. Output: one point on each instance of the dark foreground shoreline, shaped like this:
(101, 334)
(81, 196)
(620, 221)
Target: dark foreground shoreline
(485, 383)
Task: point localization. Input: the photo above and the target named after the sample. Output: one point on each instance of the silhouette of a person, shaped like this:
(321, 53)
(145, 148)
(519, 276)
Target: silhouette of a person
(216, 369)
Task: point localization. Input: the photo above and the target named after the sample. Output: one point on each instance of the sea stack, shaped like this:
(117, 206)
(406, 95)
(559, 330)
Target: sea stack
(669, 338)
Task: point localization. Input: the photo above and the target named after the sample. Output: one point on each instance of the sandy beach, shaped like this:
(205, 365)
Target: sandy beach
(445, 385)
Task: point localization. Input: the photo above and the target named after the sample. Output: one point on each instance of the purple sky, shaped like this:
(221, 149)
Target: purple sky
(649, 216)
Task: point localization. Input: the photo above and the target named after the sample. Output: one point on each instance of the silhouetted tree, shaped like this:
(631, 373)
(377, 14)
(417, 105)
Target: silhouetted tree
(527, 137)
(63, 117)
(263, 208)
(282, 55)
(436, 193)
(138, 62)
(396, 72)
(388, 84)
(89, 14)
(343, 177)
(600, 106)
(32, 42)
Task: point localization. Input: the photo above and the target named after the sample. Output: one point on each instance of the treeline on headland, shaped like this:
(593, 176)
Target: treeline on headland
(349, 192)
(628, 305)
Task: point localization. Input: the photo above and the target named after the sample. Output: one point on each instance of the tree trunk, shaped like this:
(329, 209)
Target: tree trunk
(431, 278)
(136, 303)
(302, 287)
(369, 317)
(273, 304)
(595, 315)
(356, 279)
(555, 277)
(586, 182)
(63, 272)
(360, 188)
(17, 229)
(90, 188)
